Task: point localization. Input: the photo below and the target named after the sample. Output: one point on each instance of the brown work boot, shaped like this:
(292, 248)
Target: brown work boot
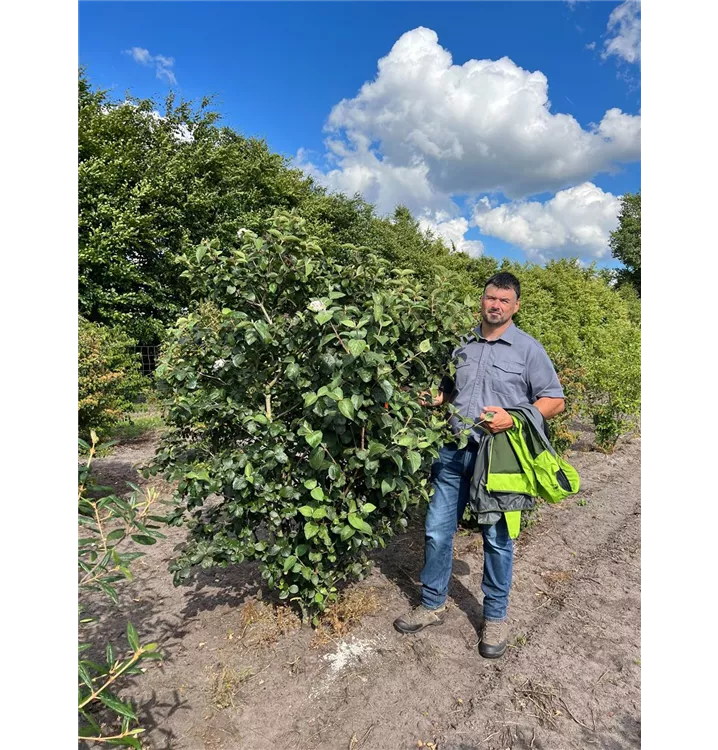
(418, 618)
(494, 636)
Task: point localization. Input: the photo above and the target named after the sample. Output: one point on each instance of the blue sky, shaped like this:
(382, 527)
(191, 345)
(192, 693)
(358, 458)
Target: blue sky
(455, 124)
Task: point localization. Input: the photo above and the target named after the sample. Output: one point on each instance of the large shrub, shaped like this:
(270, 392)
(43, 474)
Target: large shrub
(150, 186)
(593, 337)
(109, 376)
(297, 437)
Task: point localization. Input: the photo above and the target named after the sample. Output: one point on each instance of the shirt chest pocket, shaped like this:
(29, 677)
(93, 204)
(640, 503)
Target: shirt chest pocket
(508, 377)
(465, 373)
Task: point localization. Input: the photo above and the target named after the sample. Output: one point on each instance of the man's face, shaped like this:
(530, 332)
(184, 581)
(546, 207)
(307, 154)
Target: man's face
(498, 305)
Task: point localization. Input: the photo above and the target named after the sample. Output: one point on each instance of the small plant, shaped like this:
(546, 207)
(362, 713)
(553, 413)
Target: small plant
(106, 522)
(225, 682)
(340, 618)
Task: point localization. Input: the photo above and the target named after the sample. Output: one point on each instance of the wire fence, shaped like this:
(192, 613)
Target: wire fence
(149, 356)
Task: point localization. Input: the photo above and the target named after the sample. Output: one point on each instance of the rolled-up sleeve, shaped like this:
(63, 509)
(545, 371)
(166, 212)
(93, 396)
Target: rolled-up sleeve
(542, 377)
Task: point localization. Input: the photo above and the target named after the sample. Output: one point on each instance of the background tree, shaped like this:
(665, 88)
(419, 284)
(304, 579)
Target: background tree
(625, 242)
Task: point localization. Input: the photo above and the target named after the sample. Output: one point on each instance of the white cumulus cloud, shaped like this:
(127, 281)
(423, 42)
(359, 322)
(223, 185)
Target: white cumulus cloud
(163, 65)
(377, 181)
(427, 129)
(575, 222)
(452, 231)
(624, 27)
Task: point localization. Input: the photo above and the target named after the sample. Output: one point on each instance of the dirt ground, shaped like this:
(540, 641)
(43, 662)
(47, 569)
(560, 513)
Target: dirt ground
(570, 679)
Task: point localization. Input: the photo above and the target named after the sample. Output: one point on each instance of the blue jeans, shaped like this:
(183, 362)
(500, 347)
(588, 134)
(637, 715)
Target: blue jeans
(451, 478)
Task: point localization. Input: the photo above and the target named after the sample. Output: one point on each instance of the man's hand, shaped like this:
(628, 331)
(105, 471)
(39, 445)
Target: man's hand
(500, 422)
(438, 401)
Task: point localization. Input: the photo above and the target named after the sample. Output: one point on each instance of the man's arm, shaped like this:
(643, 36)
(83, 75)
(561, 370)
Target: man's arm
(550, 407)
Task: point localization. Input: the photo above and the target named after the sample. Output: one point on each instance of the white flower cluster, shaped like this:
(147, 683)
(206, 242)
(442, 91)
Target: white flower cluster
(218, 364)
(316, 305)
(241, 232)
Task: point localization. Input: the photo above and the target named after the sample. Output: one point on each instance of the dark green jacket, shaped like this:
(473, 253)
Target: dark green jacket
(514, 467)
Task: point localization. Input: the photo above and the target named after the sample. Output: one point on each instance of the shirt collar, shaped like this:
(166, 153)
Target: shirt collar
(508, 335)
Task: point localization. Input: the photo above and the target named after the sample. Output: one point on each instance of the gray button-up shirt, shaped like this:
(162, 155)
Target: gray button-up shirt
(511, 370)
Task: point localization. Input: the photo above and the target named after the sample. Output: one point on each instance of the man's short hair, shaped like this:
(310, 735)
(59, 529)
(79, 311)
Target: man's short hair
(505, 280)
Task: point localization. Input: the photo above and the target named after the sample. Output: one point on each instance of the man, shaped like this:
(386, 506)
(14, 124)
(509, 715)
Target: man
(498, 367)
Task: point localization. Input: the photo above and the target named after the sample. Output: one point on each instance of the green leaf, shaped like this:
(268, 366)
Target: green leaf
(314, 438)
(126, 741)
(310, 529)
(346, 532)
(84, 675)
(387, 387)
(301, 550)
(425, 346)
(306, 511)
(318, 494)
(414, 460)
(116, 535)
(289, 562)
(143, 539)
(324, 316)
(359, 523)
(93, 728)
(319, 512)
(368, 507)
(310, 398)
(356, 346)
(132, 637)
(386, 486)
(346, 407)
(405, 440)
(109, 590)
(316, 457)
(310, 484)
(376, 449)
(201, 251)
(263, 330)
(117, 705)
(201, 474)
